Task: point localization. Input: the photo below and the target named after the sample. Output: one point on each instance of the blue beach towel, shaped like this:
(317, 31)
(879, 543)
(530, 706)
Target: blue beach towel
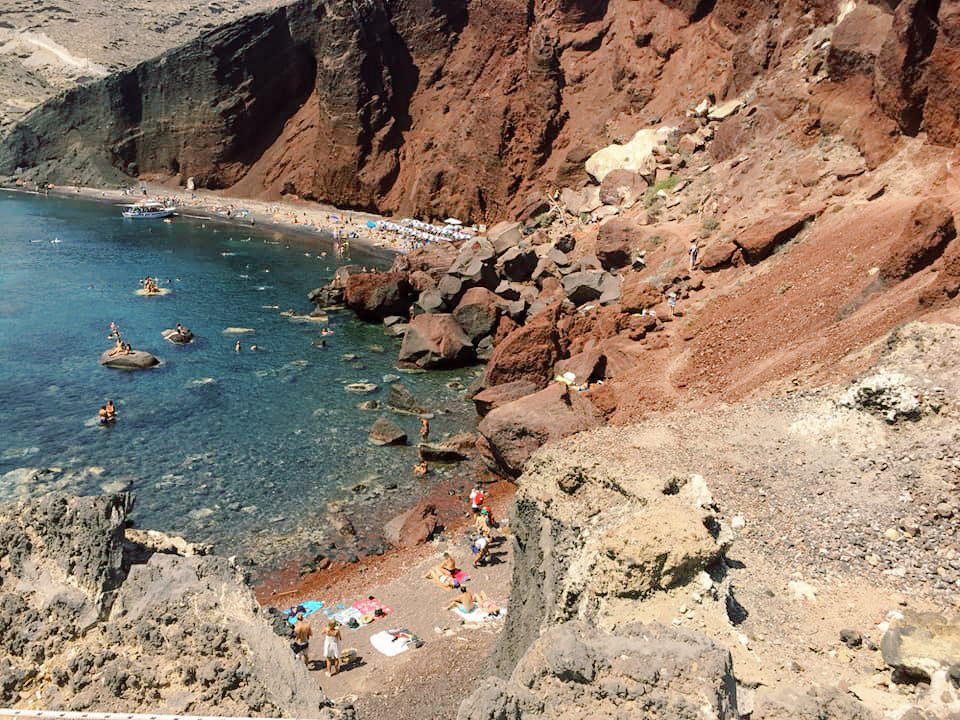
(307, 608)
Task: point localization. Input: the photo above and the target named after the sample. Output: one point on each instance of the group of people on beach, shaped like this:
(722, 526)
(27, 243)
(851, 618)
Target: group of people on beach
(150, 285)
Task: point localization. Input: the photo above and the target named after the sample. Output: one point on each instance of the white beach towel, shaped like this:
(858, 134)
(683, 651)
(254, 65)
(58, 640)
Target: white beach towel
(477, 615)
(389, 645)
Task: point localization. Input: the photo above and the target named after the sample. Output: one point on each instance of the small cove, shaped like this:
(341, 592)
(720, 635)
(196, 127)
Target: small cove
(244, 450)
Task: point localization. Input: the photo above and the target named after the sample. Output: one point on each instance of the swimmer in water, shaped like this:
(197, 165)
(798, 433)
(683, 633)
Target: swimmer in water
(237, 346)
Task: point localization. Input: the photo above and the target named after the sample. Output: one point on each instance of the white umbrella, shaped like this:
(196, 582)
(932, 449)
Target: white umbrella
(453, 221)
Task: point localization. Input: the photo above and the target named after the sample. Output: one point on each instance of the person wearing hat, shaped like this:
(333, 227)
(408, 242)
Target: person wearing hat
(331, 648)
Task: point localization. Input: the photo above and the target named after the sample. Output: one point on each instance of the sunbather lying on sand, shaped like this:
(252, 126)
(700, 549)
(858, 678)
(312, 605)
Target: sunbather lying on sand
(443, 573)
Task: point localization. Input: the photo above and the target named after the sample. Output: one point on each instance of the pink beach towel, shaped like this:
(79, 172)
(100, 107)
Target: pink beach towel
(460, 577)
(370, 606)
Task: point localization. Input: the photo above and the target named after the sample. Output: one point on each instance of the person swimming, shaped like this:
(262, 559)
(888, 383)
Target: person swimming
(111, 411)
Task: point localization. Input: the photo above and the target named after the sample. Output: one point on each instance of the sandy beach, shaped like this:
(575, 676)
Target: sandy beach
(300, 217)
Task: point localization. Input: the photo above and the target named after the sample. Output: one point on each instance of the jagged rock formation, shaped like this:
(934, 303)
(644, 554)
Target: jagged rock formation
(617, 527)
(464, 108)
(88, 621)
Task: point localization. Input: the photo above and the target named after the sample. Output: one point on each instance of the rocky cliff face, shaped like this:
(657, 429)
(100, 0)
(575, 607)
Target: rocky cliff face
(89, 621)
(706, 522)
(464, 108)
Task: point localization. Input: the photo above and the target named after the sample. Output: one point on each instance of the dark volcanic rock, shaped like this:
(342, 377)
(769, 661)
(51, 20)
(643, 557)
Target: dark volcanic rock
(515, 430)
(401, 400)
(528, 352)
(386, 432)
(477, 313)
(435, 341)
(493, 397)
(374, 296)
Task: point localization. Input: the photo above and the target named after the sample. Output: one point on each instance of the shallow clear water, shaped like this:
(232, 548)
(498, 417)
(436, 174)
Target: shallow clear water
(219, 446)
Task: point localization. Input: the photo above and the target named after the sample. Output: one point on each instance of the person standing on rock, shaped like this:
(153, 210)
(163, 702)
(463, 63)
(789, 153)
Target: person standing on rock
(302, 632)
(694, 251)
(424, 428)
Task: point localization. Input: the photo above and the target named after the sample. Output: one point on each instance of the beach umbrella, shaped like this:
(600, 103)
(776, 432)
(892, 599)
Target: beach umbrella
(453, 221)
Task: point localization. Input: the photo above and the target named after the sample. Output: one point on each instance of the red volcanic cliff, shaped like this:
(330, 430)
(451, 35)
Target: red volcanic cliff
(467, 108)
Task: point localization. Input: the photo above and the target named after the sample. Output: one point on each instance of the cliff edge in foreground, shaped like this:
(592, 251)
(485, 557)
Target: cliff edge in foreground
(91, 622)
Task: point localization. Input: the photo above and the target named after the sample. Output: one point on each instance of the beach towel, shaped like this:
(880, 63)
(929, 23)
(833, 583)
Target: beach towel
(307, 608)
(346, 615)
(368, 609)
(460, 577)
(388, 644)
(478, 615)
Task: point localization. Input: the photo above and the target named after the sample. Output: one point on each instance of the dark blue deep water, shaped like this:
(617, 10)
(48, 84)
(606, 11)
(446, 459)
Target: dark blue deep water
(245, 450)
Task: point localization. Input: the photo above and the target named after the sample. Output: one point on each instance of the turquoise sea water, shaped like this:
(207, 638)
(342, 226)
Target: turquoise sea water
(238, 449)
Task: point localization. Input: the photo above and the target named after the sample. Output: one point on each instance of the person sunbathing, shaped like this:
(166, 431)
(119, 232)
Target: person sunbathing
(465, 601)
(117, 348)
(443, 574)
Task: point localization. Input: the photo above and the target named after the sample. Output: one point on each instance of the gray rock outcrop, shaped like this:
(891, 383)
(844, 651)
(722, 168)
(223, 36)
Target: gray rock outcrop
(89, 622)
(574, 670)
(135, 360)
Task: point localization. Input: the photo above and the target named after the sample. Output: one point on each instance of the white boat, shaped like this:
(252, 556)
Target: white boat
(148, 210)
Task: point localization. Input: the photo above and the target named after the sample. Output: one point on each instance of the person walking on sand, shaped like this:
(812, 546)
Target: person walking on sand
(331, 648)
(302, 633)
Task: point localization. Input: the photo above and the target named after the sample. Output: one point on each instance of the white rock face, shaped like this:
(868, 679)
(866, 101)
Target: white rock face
(637, 155)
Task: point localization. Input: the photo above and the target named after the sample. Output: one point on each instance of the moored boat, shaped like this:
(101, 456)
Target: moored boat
(148, 209)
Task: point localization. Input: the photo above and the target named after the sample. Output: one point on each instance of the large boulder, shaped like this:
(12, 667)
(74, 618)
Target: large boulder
(517, 263)
(637, 294)
(386, 432)
(718, 255)
(493, 397)
(505, 235)
(435, 340)
(134, 360)
(477, 313)
(516, 430)
(412, 527)
(568, 669)
(925, 235)
(760, 239)
(584, 285)
(475, 265)
(622, 187)
(900, 83)
(921, 644)
(600, 526)
(401, 400)
(637, 155)
(528, 352)
(614, 244)
(857, 41)
(455, 448)
(451, 289)
(621, 354)
(374, 296)
(430, 301)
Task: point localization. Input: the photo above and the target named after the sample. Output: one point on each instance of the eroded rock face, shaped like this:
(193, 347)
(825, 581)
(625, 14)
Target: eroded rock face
(574, 670)
(374, 296)
(596, 539)
(435, 340)
(116, 626)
